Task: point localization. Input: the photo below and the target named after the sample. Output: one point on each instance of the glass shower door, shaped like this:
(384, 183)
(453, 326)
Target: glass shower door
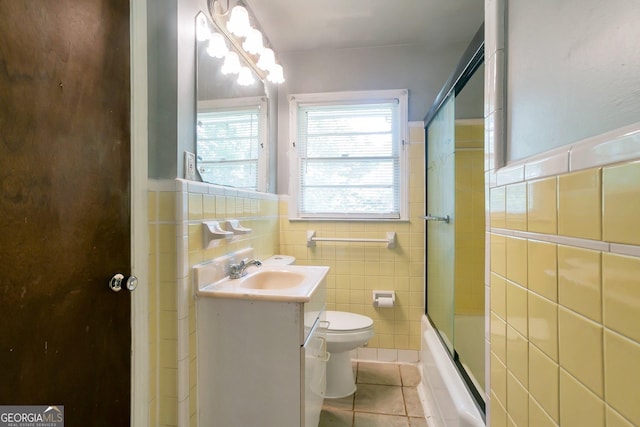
(455, 218)
(440, 232)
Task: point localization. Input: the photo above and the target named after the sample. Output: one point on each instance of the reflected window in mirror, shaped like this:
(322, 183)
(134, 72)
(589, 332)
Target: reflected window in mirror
(231, 142)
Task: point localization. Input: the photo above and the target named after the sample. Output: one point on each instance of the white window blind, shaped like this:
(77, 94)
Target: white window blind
(349, 160)
(229, 147)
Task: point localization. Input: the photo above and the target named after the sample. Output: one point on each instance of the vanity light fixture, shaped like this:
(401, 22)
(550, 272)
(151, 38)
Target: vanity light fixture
(243, 32)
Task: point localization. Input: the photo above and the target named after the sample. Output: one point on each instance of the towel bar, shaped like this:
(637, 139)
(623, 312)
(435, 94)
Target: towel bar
(312, 239)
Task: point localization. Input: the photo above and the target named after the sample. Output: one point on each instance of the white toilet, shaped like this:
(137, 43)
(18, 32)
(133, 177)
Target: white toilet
(279, 260)
(345, 332)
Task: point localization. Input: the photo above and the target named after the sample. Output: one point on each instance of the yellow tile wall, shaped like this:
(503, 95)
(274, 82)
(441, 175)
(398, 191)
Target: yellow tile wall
(470, 222)
(176, 244)
(152, 211)
(359, 268)
(163, 360)
(579, 204)
(621, 203)
(565, 303)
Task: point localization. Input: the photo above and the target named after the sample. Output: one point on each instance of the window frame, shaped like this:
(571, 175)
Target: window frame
(239, 104)
(349, 98)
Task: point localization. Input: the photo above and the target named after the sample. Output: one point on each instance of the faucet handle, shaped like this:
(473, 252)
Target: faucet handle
(235, 268)
(239, 265)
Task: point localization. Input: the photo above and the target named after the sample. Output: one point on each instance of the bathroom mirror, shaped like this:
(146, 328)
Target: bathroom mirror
(231, 114)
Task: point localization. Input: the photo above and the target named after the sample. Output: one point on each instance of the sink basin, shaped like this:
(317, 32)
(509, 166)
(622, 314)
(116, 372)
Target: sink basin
(271, 279)
(291, 283)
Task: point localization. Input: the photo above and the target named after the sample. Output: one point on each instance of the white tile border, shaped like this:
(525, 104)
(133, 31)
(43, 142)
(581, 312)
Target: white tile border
(408, 356)
(182, 206)
(162, 185)
(617, 146)
(554, 162)
(186, 186)
(505, 231)
(183, 412)
(197, 187)
(594, 245)
(365, 353)
(386, 355)
(510, 175)
(494, 23)
(526, 234)
(493, 83)
(629, 250)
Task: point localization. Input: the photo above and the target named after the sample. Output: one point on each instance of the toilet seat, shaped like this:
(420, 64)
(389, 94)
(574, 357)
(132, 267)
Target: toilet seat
(341, 322)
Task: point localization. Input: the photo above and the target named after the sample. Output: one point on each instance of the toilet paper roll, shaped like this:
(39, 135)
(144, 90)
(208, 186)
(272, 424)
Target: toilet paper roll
(385, 302)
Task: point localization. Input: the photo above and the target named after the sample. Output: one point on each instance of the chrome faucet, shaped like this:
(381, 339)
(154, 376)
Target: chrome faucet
(237, 271)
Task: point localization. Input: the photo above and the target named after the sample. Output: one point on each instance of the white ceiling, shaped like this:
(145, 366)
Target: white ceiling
(295, 25)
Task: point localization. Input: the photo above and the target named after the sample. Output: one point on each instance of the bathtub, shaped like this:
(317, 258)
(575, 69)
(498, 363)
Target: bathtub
(446, 399)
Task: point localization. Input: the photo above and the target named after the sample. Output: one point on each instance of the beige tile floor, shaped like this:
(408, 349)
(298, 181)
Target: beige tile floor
(386, 397)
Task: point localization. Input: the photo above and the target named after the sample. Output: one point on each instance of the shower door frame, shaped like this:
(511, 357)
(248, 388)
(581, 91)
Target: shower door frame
(470, 61)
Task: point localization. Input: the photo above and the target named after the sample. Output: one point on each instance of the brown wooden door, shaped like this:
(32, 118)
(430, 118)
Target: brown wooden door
(65, 338)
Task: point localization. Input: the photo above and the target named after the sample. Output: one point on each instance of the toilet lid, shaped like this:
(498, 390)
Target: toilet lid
(343, 321)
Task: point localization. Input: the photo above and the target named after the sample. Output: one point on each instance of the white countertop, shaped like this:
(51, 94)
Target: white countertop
(233, 288)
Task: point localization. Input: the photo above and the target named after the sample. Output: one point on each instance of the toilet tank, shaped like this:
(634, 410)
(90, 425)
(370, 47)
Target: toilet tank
(279, 260)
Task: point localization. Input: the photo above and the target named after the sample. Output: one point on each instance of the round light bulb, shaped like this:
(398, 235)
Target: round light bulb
(217, 47)
(276, 74)
(253, 43)
(238, 23)
(267, 59)
(245, 77)
(231, 64)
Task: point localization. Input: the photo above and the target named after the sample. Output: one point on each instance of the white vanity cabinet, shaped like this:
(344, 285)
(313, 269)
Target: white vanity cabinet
(261, 362)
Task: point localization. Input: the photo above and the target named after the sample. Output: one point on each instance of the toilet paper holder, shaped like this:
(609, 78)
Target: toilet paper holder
(384, 298)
